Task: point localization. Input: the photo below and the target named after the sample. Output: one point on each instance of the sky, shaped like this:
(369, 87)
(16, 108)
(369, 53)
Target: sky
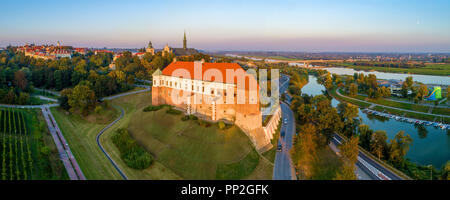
(307, 26)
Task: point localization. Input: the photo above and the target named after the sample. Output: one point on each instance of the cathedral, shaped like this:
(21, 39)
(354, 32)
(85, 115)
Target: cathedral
(184, 51)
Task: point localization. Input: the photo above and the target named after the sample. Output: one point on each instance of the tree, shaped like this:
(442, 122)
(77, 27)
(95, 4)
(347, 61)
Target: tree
(372, 81)
(446, 171)
(422, 92)
(378, 143)
(326, 119)
(348, 113)
(305, 148)
(365, 135)
(404, 89)
(353, 89)
(24, 98)
(409, 82)
(82, 98)
(64, 98)
(448, 93)
(98, 110)
(20, 80)
(398, 148)
(328, 81)
(349, 151)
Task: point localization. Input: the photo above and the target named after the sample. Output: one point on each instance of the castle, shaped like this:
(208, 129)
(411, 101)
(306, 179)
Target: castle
(215, 91)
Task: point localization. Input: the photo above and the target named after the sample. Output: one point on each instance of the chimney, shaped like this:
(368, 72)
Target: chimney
(174, 59)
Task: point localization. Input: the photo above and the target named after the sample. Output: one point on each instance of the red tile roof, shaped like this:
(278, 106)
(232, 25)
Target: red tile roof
(222, 67)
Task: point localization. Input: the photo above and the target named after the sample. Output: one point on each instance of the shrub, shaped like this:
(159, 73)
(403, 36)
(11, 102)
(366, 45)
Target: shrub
(203, 123)
(98, 110)
(185, 118)
(152, 108)
(134, 155)
(173, 112)
(193, 117)
(222, 125)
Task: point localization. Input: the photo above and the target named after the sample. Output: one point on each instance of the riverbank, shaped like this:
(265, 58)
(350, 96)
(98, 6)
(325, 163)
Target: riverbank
(392, 110)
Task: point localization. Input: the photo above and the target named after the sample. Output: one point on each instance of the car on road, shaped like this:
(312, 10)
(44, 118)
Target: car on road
(285, 121)
(279, 147)
(282, 134)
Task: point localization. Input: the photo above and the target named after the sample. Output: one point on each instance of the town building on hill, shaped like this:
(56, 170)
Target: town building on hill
(196, 92)
(46, 51)
(166, 50)
(150, 48)
(184, 51)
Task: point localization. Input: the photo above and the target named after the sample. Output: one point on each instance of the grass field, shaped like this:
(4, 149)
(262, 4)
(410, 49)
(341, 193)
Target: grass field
(182, 149)
(431, 69)
(326, 166)
(80, 134)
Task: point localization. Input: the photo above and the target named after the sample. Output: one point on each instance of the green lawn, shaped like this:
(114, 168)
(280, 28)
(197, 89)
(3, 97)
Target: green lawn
(191, 151)
(327, 165)
(80, 134)
(182, 149)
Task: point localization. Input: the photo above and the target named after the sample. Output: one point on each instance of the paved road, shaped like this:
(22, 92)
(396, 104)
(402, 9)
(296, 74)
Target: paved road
(103, 150)
(29, 106)
(371, 167)
(437, 115)
(46, 98)
(49, 91)
(147, 88)
(283, 168)
(66, 156)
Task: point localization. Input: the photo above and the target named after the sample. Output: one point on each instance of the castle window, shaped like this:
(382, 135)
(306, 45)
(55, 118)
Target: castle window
(203, 89)
(192, 88)
(170, 83)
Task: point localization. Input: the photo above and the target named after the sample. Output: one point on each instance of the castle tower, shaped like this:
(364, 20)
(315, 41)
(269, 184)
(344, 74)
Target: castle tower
(150, 48)
(184, 41)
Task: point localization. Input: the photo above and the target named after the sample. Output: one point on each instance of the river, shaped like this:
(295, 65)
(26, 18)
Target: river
(426, 79)
(429, 146)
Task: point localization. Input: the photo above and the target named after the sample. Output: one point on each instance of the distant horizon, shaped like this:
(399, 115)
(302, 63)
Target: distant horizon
(244, 51)
(287, 25)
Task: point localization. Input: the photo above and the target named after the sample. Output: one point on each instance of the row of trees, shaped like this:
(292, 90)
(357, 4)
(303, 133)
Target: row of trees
(390, 64)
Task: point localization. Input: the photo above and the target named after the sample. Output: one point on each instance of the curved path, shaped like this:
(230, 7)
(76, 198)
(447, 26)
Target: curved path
(122, 113)
(412, 111)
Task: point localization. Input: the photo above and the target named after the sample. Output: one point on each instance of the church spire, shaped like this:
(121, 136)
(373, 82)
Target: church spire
(184, 41)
